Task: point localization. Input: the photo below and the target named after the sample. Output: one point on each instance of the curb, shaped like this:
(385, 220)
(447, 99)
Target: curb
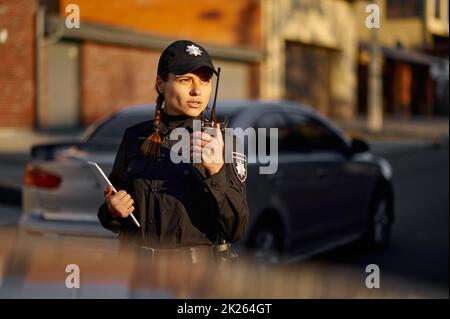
(407, 150)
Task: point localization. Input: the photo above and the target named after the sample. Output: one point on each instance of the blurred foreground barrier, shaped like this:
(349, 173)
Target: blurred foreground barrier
(40, 270)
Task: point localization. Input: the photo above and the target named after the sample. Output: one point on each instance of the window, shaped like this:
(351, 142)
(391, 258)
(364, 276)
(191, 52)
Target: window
(309, 135)
(405, 8)
(437, 9)
(275, 120)
(300, 134)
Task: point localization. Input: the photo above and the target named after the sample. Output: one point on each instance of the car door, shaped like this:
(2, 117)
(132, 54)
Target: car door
(293, 186)
(335, 190)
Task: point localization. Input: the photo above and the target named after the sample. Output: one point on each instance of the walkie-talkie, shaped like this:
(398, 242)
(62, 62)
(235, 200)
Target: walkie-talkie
(209, 124)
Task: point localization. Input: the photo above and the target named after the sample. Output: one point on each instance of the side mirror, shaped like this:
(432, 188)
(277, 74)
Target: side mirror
(359, 146)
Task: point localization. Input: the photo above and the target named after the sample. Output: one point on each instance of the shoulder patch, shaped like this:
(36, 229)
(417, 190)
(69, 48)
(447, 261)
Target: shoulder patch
(240, 166)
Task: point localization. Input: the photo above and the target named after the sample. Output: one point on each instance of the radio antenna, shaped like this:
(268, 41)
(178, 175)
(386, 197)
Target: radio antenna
(213, 110)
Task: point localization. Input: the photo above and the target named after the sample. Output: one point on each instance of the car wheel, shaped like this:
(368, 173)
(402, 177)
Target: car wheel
(265, 245)
(378, 232)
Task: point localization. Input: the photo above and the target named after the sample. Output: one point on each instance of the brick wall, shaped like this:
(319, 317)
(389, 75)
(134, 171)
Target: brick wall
(17, 90)
(114, 77)
(229, 23)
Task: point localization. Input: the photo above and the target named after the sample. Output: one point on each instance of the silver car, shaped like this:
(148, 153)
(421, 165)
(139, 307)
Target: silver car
(327, 191)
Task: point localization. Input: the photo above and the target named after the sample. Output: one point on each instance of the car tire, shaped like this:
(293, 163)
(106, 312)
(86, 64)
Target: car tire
(379, 225)
(265, 244)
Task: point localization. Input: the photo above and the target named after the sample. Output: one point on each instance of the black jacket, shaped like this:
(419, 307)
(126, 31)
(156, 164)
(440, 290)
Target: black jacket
(176, 204)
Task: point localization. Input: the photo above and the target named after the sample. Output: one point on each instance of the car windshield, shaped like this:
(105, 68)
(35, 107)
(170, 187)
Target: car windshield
(111, 130)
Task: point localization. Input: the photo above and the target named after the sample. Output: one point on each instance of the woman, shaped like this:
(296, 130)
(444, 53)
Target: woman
(184, 207)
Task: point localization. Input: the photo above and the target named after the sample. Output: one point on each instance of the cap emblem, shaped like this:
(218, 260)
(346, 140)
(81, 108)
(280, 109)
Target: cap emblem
(193, 50)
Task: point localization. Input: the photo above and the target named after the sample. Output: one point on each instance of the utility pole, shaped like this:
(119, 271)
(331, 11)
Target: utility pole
(375, 101)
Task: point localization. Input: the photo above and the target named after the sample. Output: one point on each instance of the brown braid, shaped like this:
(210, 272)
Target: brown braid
(152, 145)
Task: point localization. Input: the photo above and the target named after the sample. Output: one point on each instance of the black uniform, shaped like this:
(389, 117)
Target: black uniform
(177, 205)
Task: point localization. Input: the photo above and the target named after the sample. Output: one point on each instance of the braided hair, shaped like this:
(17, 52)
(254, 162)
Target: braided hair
(152, 145)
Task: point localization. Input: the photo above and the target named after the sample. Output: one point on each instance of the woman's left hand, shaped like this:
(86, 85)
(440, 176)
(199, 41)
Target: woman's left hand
(210, 149)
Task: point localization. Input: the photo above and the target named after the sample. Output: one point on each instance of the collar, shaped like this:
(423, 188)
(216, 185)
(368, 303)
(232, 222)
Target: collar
(169, 122)
(163, 129)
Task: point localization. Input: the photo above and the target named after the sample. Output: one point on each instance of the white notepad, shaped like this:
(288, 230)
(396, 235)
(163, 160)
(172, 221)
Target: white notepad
(106, 182)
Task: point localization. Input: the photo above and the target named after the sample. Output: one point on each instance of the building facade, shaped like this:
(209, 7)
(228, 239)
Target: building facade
(310, 54)
(69, 77)
(315, 52)
(413, 36)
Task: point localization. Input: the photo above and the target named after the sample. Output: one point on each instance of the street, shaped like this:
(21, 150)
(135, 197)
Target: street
(419, 246)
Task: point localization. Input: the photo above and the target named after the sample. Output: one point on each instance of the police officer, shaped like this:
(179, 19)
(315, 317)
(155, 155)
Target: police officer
(181, 207)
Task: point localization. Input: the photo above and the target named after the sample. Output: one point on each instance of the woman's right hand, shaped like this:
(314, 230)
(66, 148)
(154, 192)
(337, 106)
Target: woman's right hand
(119, 204)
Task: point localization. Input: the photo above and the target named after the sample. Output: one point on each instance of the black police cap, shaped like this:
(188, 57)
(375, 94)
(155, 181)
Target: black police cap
(184, 56)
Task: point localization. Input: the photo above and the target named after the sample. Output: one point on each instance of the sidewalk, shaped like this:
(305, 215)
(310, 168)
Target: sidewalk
(434, 130)
(20, 140)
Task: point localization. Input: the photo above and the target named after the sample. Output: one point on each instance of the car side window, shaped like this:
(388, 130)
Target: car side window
(277, 120)
(313, 136)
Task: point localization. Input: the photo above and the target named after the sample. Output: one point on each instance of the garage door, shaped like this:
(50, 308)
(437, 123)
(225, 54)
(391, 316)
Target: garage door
(307, 75)
(63, 85)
